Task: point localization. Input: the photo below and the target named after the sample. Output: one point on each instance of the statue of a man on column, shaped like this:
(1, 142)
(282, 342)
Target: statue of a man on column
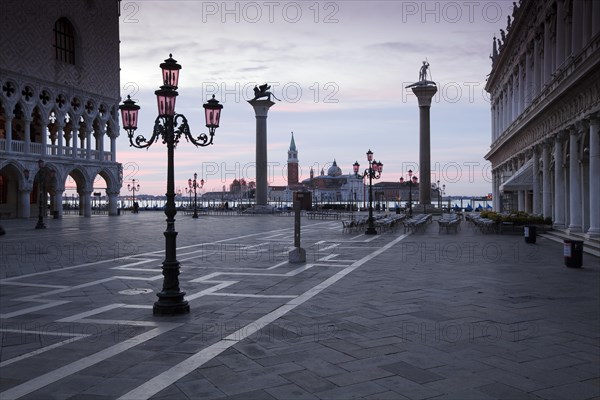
(423, 71)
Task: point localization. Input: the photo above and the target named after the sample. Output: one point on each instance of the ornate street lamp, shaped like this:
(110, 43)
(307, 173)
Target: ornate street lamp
(133, 188)
(412, 180)
(42, 195)
(373, 172)
(169, 127)
(440, 190)
(193, 185)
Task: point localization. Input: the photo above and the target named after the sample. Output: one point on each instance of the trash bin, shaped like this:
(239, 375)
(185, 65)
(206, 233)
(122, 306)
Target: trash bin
(530, 232)
(573, 252)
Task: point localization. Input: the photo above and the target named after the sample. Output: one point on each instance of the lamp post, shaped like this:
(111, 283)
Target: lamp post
(170, 127)
(193, 185)
(133, 187)
(373, 172)
(412, 180)
(42, 196)
(440, 190)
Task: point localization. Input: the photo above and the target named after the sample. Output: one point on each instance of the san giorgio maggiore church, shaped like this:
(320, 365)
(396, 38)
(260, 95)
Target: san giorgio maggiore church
(326, 187)
(545, 96)
(59, 95)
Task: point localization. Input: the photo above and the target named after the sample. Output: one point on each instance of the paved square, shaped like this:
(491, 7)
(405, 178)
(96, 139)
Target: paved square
(392, 316)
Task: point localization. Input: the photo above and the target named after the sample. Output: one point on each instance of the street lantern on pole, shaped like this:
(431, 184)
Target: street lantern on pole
(412, 180)
(440, 190)
(193, 185)
(133, 187)
(170, 127)
(373, 172)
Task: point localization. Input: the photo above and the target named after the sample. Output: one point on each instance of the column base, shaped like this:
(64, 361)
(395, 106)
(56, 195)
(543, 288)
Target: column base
(593, 234)
(574, 229)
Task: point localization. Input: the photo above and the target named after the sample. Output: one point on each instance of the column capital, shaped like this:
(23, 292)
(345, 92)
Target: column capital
(593, 118)
(582, 126)
(561, 135)
(261, 107)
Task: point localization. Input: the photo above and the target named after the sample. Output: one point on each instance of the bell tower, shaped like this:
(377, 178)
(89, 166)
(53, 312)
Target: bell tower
(292, 163)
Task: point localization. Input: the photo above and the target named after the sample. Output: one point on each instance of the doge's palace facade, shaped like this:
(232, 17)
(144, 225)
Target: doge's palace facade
(545, 96)
(59, 95)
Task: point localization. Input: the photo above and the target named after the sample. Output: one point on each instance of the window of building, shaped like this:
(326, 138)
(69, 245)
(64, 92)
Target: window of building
(64, 41)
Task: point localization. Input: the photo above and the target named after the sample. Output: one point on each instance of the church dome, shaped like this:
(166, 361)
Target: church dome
(334, 170)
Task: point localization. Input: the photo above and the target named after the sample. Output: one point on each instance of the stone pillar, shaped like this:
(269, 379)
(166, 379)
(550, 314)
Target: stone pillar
(521, 200)
(88, 141)
(547, 51)
(536, 181)
(546, 182)
(586, 28)
(8, 131)
(595, 18)
(577, 26)
(261, 109)
(27, 133)
(496, 191)
(74, 138)
(24, 209)
(85, 201)
(537, 64)
(560, 33)
(575, 214)
(528, 74)
(60, 135)
(559, 183)
(521, 87)
(594, 230)
(113, 149)
(113, 202)
(424, 95)
(58, 201)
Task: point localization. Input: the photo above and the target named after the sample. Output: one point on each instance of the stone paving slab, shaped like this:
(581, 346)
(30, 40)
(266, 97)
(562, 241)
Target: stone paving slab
(392, 316)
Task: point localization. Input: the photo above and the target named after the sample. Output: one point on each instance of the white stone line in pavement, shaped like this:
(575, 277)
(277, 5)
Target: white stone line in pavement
(85, 362)
(210, 290)
(14, 278)
(173, 374)
(258, 296)
(148, 307)
(140, 262)
(332, 246)
(73, 337)
(94, 311)
(276, 265)
(33, 309)
(328, 257)
(40, 285)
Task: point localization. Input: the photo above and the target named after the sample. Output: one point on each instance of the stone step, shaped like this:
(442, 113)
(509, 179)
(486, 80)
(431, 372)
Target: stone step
(590, 246)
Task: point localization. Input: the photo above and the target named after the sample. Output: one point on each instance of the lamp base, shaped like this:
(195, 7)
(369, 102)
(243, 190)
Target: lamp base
(171, 304)
(370, 231)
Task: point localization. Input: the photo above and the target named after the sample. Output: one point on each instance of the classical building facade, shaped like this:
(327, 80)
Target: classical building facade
(59, 95)
(545, 96)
